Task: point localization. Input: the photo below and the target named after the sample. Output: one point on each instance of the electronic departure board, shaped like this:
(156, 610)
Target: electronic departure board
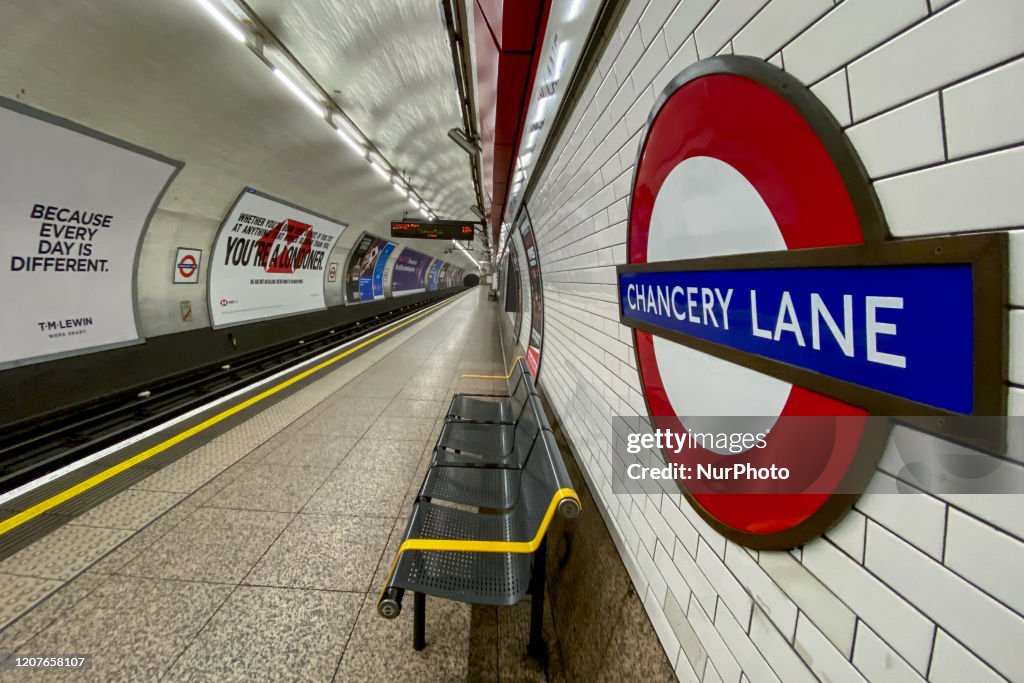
(433, 230)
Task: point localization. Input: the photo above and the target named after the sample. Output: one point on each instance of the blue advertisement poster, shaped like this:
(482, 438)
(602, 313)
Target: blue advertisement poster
(410, 273)
(435, 270)
(378, 271)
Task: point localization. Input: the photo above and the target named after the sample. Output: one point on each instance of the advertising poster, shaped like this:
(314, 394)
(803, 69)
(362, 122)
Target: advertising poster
(433, 276)
(512, 289)
(361, 265)
(378, 270)
(269, 260)
(533, 351)
(74, 205)
(410, 273)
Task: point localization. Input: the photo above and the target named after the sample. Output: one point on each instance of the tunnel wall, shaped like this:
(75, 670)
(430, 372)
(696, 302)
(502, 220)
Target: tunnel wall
(902, 588)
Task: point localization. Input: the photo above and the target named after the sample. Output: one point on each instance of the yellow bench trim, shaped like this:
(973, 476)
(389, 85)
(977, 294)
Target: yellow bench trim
(463, 546)
(504, 377)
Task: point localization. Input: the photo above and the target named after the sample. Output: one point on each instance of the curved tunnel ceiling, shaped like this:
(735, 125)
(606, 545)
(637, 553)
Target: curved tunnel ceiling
(162, 75)
(388, 66)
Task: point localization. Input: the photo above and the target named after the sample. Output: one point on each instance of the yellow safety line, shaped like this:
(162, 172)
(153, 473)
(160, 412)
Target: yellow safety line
(504, 377)
(93, 481)
(461, 546)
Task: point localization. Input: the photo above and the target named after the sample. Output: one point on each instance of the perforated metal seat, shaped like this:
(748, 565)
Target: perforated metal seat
(479, 557)
(495, 489)
(495, 409)
(468, 444)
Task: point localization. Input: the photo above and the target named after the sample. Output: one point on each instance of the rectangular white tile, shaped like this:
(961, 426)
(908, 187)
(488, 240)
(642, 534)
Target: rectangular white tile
(878, 662)
(678, 586)
(821, 656)
(732, 593)
(969, 37)
(819, 604)
(776, 24)
(765, 592)
(834, 94)
(991, 560)
(654, 59)
(682, 58)
(780, 655)
(653, 19)
(746, 653)
(901, 625)
(722, 23)
(902, 139)
(851, 29)
(918, 518)
(984, 625)
(848, 534)
(953, 663)
(692, 650)
(684, 20)
(974, 194)
(986, 112)
(702, 589)
(719, 652)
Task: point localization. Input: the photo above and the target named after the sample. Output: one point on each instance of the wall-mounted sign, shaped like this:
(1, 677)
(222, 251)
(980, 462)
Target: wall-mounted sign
(377, 284)
(410, 273)
(268, 260)
(536, 342)
(362, 266)
(74, 205)
(186, 265)
(761, 281)
(433, 230)
(332, 272)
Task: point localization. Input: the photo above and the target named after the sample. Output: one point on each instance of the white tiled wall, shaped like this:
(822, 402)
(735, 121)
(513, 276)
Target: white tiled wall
(905, 588)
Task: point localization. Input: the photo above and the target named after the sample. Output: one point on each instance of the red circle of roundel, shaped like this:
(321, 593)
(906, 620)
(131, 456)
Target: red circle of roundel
(187, 265)
(755, 130)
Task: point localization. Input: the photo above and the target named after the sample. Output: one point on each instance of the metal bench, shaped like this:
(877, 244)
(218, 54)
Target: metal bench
(484, 556)
(468, 443)
(471, 444)
(494, 408)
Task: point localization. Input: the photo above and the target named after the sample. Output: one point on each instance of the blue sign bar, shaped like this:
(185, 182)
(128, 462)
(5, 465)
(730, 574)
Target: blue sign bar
(902, 330)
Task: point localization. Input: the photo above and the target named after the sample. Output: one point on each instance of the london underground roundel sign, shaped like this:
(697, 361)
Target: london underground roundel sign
(761, 282)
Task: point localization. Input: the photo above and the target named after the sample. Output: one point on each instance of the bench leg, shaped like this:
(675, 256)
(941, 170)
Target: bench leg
(419, 618)
(537, 649)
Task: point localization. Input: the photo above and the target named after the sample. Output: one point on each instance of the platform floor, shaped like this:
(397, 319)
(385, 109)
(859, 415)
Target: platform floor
(259, 555)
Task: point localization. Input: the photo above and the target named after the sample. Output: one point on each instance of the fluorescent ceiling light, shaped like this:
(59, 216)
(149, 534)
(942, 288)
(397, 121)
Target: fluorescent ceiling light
(349, 140)
(574, 10)
(224, 22)
(297, 91)
(380, 169)
(466, 252)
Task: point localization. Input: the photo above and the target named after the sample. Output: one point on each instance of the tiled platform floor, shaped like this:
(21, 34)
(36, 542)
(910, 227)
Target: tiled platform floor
(259, 555)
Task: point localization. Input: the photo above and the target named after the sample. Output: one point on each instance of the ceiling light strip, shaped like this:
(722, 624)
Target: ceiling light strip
(323, 106)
